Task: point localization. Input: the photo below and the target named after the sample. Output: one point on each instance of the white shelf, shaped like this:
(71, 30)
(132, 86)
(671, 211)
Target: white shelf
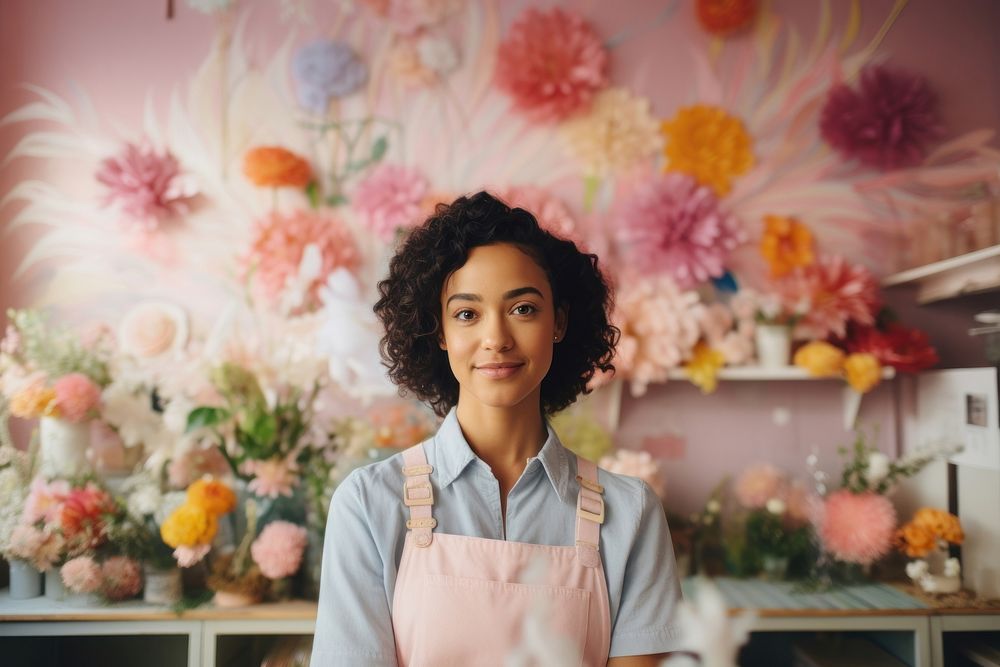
(759, 374)
(971, 273)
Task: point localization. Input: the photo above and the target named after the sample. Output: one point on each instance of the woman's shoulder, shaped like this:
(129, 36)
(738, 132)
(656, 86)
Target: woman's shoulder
(380, 477)
(628, 495)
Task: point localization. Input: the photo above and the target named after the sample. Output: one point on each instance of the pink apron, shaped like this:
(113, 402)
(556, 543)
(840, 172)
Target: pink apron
(470, 601)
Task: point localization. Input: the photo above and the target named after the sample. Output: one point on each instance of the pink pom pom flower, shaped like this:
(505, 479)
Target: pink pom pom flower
(146, 184)
(886, 124)
(552, 64)
(391, 198)
(673, 225)
(837, 293)
(857, 527)
(81, 575)
(76, 396)
(278, 549)
(121, 578)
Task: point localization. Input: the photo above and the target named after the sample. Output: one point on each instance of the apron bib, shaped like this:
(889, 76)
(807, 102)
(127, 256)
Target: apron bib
(470, 601)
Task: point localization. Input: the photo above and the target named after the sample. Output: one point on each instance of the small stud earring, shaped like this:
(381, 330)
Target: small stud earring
(555, 338)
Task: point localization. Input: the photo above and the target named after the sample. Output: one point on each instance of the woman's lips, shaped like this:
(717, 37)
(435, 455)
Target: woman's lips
(499, 371)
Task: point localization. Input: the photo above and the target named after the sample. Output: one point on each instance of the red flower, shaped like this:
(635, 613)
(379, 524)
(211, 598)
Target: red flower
(82, 518)
(552, 63)
(725, 16)
(906, 350)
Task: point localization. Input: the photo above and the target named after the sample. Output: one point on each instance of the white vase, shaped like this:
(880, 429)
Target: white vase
(55, 589)
(63, 447)
(25, 581)
(161, 586)
(774, 345)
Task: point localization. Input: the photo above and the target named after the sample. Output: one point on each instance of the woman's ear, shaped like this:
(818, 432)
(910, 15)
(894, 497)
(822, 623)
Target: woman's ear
(562, 321)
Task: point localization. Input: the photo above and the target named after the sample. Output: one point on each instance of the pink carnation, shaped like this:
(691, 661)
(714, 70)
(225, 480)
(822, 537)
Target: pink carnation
(278, 549)
(76, 396)
(391, 198)
(857, 527)
(41, 548)
(552, 64)
(45, 501)
(758, 484)
(837, 293)
(279, 242)
(271, 478)
(673, 225)
(146, 184)
(81, 575)
(887, 123)
(121, 578)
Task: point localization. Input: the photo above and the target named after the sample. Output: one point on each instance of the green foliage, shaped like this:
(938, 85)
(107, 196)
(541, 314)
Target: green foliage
(55, 351)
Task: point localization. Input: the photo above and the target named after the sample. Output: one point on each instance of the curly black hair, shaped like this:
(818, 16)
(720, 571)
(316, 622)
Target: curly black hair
(410, 300)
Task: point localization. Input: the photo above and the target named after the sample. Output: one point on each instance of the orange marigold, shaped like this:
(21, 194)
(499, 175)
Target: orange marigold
(212, 496)
(34, 401)
(863, 371)
(786, 244)
(707, 143)
(820, 359)
(916, 540)
(274, 166)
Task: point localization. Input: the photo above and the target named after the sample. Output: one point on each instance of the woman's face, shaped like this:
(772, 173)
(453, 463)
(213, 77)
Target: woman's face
(499, 326)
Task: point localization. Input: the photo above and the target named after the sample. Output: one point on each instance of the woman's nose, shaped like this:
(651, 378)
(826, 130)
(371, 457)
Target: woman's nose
(496, 335)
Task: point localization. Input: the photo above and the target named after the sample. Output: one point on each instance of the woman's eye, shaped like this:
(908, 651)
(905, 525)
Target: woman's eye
(464, 315)
(524, 309)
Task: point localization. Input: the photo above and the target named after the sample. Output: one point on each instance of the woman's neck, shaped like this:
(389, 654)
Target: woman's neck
(504, 438)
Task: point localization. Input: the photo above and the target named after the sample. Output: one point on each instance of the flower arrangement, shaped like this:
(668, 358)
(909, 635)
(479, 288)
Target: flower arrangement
(117, 578)
(856, 523)
(48, 372)
(61, 519)
(235, 575)
(192, 526)
(261, 439)
(928, 534)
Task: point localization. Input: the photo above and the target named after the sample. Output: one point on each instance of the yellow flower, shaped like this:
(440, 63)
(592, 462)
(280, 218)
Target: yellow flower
(212, 496)
(709, 144)
(189, 525)
(617, 132)
(786, 244)
(863, 371)
(820, 359)
(703, 367)
(916, 540)
(35, 400)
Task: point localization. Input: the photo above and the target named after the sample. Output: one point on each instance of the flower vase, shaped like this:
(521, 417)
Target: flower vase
(774, 345)
(62, 447)
(25, 581)
(936, 573)
(55, 589)
(161, 586)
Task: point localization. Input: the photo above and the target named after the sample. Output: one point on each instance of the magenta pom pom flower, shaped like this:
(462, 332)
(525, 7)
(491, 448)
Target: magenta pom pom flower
(146, 184)
(278, 549)
(857, 527)
(551, 64)
(887, 123)
(673, 225)
(391, 198)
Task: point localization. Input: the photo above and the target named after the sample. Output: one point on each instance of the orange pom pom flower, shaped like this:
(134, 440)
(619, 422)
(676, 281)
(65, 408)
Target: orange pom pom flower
(786, 244)
(276, 167)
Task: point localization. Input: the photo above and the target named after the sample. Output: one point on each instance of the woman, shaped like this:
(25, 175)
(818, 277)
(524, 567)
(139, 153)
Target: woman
(490, 543)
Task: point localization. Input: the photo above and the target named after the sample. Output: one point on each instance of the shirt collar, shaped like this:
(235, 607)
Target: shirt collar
(454, 455)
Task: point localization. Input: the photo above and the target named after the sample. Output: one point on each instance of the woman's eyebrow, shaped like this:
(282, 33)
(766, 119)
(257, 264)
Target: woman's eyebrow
(514, 293)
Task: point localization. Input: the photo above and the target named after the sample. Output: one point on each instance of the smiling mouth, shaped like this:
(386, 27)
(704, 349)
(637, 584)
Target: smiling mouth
(499, 371)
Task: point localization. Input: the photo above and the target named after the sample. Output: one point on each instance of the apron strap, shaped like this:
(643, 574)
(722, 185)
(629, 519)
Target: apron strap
(589, 513)
(418, 495)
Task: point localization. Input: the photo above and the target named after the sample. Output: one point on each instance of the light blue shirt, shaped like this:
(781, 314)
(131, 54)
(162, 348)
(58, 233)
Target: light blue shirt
(367, 526)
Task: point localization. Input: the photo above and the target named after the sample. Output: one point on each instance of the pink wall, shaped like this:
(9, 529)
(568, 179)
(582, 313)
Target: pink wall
(121, 50)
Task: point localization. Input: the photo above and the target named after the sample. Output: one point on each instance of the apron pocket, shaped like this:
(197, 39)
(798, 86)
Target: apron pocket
(478, 622)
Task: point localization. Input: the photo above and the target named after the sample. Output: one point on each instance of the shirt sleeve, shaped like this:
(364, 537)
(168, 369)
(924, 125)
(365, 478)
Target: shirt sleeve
(646, 622)
(353, 622)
